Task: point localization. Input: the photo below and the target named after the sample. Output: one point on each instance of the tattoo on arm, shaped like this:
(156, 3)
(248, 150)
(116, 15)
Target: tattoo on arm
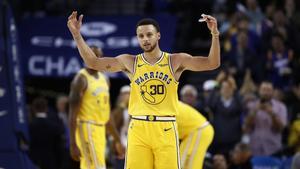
(108, 66)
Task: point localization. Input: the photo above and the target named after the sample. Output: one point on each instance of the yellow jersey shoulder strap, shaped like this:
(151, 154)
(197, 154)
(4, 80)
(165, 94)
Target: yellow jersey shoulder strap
(136, 58)
(83, 72)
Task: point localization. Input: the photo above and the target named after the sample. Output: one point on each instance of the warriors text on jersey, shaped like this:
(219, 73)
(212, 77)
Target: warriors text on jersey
(153, 88)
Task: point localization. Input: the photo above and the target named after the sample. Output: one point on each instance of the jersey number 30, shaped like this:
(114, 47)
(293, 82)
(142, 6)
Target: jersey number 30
(157, 89)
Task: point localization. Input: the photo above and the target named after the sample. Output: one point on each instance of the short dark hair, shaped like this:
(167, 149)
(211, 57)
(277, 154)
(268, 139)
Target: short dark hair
(40, 104)
(243, 147)
(148, 21)
(276, 34)
(266, 82)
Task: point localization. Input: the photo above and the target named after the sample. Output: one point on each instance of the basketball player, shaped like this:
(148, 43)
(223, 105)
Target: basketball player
(154, 74)
(195, 133)
(89, 113)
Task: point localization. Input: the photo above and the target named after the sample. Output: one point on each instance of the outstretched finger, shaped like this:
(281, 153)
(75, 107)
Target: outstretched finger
(80, 18)
(203, 19)
(209, 17)
(204, 16)
(73, 15)
(70, 17)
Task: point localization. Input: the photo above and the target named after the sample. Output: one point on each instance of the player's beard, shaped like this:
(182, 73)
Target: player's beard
(151, 48)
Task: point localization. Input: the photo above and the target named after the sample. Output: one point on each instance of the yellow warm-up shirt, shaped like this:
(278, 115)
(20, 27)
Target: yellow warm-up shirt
(95, 104)
(188, 119)
(153, 88)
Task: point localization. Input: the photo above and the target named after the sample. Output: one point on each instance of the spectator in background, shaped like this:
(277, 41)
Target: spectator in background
(248, 86)
(243, 25)
(121, 118)
(242, 57)
(278, 23)
(290, 9)
(241, 157)
(228, 29)
(279, 63)
(62, 113)
(255, 15)
(219, 162)
(209, 90)
(120, 113)
(293, 14)
(63, 119)
(62, 108)
(248, 93)
(292, 100)
(47, 143)
(265, 122)
(226, 109)
(281, 25)
(189, 95)
(296, 161)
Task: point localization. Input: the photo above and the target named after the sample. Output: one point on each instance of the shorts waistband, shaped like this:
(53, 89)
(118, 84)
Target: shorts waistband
(154, 118)
(91, 122)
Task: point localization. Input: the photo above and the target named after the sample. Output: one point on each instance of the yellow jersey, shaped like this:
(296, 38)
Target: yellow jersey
(188, 119)
(153, 88)
(95, 104)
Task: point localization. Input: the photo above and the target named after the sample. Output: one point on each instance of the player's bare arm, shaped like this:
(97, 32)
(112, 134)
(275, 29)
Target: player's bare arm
(184, 61)
(78, 86)
(109, 64)
(112, 130)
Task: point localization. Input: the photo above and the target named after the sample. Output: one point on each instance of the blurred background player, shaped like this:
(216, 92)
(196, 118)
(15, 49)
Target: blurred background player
(89, 114)
(195, 133)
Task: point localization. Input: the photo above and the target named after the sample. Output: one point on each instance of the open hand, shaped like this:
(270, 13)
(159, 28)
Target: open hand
(74, 24)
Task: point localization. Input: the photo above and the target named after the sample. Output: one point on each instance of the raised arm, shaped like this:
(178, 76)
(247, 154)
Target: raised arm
(110, 64)
(184, 61)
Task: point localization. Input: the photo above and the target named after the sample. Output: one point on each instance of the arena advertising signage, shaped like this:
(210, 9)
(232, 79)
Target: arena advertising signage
(12, 116)
(48, 49)
(15, 73)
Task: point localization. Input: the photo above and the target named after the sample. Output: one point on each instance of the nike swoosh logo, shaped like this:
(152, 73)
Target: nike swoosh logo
(141, 65)
(168, 129)
(3, 113)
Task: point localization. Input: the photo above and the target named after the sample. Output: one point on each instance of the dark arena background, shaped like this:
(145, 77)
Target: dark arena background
(260, 42)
